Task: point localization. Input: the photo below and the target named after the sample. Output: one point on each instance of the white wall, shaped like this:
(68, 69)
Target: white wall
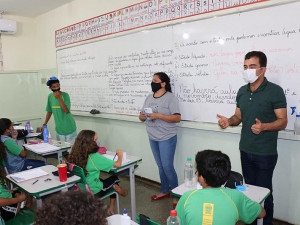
(131, 135)
(20, 50)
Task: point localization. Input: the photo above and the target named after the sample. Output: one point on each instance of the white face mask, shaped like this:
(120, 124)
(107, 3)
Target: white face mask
(249, 75)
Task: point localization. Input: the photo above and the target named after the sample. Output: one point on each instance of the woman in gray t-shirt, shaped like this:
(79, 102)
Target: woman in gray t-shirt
(161, 113)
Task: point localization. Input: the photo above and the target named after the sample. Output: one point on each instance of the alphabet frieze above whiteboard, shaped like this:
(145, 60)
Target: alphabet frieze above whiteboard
(139, 15)
(204, 60)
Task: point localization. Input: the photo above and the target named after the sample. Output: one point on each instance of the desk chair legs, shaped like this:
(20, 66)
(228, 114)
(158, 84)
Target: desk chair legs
(117, 197)
(118, 206)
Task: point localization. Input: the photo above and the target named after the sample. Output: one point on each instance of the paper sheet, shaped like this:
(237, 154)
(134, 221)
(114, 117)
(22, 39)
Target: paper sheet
(28, 174)
(42, 148)
(115, 158)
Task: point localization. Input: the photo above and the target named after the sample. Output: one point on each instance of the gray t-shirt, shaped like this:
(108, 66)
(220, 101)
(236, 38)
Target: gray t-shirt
(167, 104)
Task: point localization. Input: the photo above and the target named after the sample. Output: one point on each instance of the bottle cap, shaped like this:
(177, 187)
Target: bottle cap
(125, 212)
(189, 159)
(173, 213)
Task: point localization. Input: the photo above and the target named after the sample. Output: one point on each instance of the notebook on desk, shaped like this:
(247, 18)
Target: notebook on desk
(28, 174)
(42, 148)
(115, 158)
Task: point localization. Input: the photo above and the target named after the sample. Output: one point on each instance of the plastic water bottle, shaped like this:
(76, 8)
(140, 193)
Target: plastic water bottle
(297, 123)
(173, 219)
(49, 138)
(188, 173)
(125, 218)
(46, 134)
(28, 127)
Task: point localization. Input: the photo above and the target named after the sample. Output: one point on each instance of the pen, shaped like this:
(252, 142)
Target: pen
(35, 182)
(114, 156)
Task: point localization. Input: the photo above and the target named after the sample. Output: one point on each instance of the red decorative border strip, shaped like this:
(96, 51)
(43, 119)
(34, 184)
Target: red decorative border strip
(139, 15)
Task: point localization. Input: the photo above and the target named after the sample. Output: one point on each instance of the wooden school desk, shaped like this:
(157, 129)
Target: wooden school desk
(44, 186)
(63, 147)
(130, 168)
(255, 193)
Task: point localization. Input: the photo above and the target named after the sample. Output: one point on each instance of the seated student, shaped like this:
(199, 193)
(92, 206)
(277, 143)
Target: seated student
(9, 202)
(212, 204)
(15, 161)
(85, 154)
(72, 207)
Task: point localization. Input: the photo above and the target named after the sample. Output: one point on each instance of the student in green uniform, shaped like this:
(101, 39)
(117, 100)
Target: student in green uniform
(59, 105)
(85, 154)
(214, 205)
(9, 202)
(15, 158)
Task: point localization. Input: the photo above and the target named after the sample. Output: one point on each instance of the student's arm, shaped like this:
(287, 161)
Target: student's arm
(279, 124)
(262, 213)
(175, 118)
(11, 201)
(63, 106)
(14, 136)
(235, 120)
(22, 153)
(14, 149)
(48, 116)
(118, 163)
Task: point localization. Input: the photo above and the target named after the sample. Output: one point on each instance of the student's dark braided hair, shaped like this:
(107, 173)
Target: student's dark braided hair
(72, 208)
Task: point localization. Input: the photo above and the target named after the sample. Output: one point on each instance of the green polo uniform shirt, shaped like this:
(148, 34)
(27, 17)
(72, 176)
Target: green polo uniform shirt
(259, 104)
(96, 163)
(64, 122)
(4, 192)
(217, 206)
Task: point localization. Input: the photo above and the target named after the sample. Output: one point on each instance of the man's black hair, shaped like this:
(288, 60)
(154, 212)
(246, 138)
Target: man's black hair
(213, 166)
(260, 55)
(53, 82)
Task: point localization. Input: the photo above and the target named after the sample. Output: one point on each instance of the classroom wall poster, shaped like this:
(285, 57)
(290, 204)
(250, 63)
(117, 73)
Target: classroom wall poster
(139, 15)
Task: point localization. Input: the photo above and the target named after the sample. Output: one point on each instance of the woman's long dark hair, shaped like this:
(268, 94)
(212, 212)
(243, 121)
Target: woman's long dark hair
(4, 125)
(83, 146)
(164, 78)
(2, 160)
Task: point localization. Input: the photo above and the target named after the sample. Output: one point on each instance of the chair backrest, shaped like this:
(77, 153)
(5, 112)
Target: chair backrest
(150, 222)
(78, 171)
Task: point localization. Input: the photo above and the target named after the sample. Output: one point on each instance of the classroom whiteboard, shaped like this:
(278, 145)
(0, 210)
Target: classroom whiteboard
(203, 58)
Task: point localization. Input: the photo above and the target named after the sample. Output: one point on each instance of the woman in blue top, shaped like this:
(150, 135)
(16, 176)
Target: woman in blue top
(15, 161)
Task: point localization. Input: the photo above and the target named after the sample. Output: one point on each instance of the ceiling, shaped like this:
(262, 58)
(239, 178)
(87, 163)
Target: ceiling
(29, 8)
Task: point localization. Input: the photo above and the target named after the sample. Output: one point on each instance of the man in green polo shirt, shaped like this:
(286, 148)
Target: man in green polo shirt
(261, 107)
(59, 105)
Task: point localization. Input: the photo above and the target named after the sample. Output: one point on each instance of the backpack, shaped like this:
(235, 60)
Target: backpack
(234, 179)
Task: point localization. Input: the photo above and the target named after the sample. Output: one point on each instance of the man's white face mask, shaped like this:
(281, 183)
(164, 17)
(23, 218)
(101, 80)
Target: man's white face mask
(249, 75)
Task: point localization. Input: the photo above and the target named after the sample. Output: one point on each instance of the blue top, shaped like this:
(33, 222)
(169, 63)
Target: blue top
(14, 162)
